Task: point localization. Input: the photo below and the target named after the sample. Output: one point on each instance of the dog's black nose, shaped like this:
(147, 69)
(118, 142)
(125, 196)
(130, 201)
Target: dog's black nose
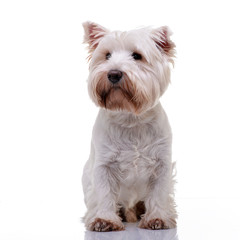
(114, 76)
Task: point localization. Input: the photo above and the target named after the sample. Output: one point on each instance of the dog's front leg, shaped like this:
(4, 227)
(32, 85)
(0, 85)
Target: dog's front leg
(103, 214)
(159, 202)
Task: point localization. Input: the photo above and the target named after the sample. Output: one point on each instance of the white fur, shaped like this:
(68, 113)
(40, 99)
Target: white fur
(130, 157)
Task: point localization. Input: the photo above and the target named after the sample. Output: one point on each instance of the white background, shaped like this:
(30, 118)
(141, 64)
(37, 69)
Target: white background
(46, 116)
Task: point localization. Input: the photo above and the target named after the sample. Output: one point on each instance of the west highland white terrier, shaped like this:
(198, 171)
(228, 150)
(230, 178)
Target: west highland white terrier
(129, 174)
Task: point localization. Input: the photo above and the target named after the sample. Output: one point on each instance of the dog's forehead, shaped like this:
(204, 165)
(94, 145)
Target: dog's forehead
(127, 40)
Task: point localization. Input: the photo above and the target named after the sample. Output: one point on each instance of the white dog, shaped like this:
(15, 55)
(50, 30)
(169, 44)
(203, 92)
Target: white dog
(129, 174)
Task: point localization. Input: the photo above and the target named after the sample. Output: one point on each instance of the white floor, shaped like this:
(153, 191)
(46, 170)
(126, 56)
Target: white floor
(133, 233)
(199, 219)
(205, 219)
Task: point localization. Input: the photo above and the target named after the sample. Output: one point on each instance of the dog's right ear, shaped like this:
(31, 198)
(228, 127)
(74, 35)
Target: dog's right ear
(93, 34)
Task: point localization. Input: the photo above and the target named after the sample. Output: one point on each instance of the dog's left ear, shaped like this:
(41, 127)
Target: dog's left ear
(93, 34)
(161, 36)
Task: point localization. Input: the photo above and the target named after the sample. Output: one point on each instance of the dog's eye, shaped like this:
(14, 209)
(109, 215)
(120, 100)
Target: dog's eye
(108, 55)
(137, 56)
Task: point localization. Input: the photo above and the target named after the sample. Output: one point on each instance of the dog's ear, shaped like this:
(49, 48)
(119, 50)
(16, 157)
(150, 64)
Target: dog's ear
(93, 34)
(161, 36)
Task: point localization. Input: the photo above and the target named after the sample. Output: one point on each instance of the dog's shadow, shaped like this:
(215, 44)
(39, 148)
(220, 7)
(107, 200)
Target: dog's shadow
(132, 232)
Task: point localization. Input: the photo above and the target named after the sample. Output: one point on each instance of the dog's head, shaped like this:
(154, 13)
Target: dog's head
(128, 71)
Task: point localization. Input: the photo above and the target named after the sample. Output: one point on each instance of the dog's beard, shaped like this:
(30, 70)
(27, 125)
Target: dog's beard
(117, 98)
(120, 96)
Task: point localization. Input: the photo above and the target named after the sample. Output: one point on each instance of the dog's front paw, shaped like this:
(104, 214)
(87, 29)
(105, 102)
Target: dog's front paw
(157, 223)
(102, 225)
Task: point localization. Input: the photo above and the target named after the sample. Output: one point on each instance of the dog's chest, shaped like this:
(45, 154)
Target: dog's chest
(138, 156)
(138, 163)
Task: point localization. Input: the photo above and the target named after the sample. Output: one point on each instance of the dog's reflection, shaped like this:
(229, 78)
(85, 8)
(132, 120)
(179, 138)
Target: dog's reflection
(132, 232)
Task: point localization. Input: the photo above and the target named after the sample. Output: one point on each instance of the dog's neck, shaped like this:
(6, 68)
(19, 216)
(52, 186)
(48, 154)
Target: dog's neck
(129, 120)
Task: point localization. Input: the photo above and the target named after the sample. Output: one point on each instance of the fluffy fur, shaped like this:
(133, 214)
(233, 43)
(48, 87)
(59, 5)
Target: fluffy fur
(129, 174)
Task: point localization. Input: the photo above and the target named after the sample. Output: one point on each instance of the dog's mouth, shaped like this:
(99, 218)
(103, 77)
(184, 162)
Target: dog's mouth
(115, 94)
(120, 96)
(117, 98)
